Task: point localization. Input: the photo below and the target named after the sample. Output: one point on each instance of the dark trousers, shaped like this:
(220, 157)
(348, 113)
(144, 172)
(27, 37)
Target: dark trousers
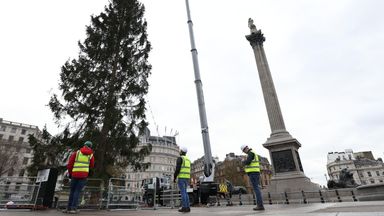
(255, 180)
(76, 187)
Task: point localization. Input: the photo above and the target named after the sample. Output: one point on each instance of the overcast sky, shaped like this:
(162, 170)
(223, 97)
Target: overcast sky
(325, 56)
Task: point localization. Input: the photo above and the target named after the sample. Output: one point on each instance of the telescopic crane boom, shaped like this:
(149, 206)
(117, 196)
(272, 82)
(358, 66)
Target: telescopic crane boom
(209, 165)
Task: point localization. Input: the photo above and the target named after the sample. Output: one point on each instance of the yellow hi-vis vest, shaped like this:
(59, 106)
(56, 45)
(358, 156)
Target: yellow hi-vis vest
(185, 170)
(254, 166)
(82, 162)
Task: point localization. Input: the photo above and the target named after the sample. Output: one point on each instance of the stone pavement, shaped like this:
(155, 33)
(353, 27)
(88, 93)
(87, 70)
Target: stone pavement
(374, 208)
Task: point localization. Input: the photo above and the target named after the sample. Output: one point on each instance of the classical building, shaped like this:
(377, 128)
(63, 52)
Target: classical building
(163, 158)
(14, 147)
(365, 168)
(232, 169)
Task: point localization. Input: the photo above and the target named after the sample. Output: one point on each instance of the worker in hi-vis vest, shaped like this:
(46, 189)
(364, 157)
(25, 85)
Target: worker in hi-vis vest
(252, 168)
(78, 170)
(183, 174)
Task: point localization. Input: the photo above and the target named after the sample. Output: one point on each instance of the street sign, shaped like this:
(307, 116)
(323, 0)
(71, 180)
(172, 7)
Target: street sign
(42, 175)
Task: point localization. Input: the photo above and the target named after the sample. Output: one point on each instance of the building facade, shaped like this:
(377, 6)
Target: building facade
(15, 148)
(232, 169)
(162, 158)
(365, 168)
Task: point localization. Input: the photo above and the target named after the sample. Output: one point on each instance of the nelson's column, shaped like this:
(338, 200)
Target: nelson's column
(288, 174)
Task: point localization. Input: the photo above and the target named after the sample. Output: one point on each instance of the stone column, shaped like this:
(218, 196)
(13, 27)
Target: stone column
(288, 173)
(275, 117)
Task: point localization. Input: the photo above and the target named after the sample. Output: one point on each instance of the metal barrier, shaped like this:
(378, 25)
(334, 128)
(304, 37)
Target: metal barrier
(170, 197)
(122, 194)
(91, 197)
(22, 191)
(159, 198)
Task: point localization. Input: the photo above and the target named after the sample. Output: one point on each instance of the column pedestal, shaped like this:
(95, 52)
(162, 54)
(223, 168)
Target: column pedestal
(288, 173)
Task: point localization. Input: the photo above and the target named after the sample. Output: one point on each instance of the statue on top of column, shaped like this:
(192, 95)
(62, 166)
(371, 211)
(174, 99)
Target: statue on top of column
(252, 26)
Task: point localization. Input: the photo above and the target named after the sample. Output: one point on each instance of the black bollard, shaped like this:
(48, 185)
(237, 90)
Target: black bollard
(269, 198)
(286, 198)
(338, 196)
(241, 203)
(353, 196)
(304, 198)
(321, 197)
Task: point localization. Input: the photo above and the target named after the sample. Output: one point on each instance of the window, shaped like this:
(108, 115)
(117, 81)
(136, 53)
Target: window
(10, 172)
(381, 181)
(21, 139)
(17, 187)
(377, 173)
(7, 186)
(21, 173)
(23, 131)
(10, 138)
(1, 136)
(3, 128)
(369, 174)
(13, 130)
(372, 181)
(25, 161)
(362, 175)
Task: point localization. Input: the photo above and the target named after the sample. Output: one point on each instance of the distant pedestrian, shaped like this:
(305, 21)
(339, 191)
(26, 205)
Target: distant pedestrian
(183, 174)
(252, 168)
(78, 169)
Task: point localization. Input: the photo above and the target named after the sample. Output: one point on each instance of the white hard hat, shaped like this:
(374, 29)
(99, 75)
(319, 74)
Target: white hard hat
(243, 147)
(184, 149)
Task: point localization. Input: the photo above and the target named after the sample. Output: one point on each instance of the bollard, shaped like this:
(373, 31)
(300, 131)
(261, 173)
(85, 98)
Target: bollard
(241, 203)
(154, 193)
(286, 198)
(172, 201)
(269, 198)
(304, 198)
(338, 196)
(353, 196)
(321, 197)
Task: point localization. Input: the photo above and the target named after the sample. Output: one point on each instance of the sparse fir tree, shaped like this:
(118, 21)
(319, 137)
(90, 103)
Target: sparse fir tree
(103, 89)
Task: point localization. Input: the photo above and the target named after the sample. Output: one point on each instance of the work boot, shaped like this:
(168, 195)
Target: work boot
(187, 209)
(72, 211)
(181, 209)
(259, 208)
(65, 211)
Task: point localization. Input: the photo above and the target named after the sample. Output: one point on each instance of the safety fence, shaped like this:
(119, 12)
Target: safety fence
(91, 197)
(158, 196)
(19, 190)
(122, 194)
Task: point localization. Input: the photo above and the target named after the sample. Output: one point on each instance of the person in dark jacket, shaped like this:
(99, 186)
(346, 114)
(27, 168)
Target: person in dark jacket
(78, 170)
(183, 174)
(252, 168)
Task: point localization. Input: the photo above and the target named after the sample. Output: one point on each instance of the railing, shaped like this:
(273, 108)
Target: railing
(122, 196)
(91, 197)
(18, 190)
